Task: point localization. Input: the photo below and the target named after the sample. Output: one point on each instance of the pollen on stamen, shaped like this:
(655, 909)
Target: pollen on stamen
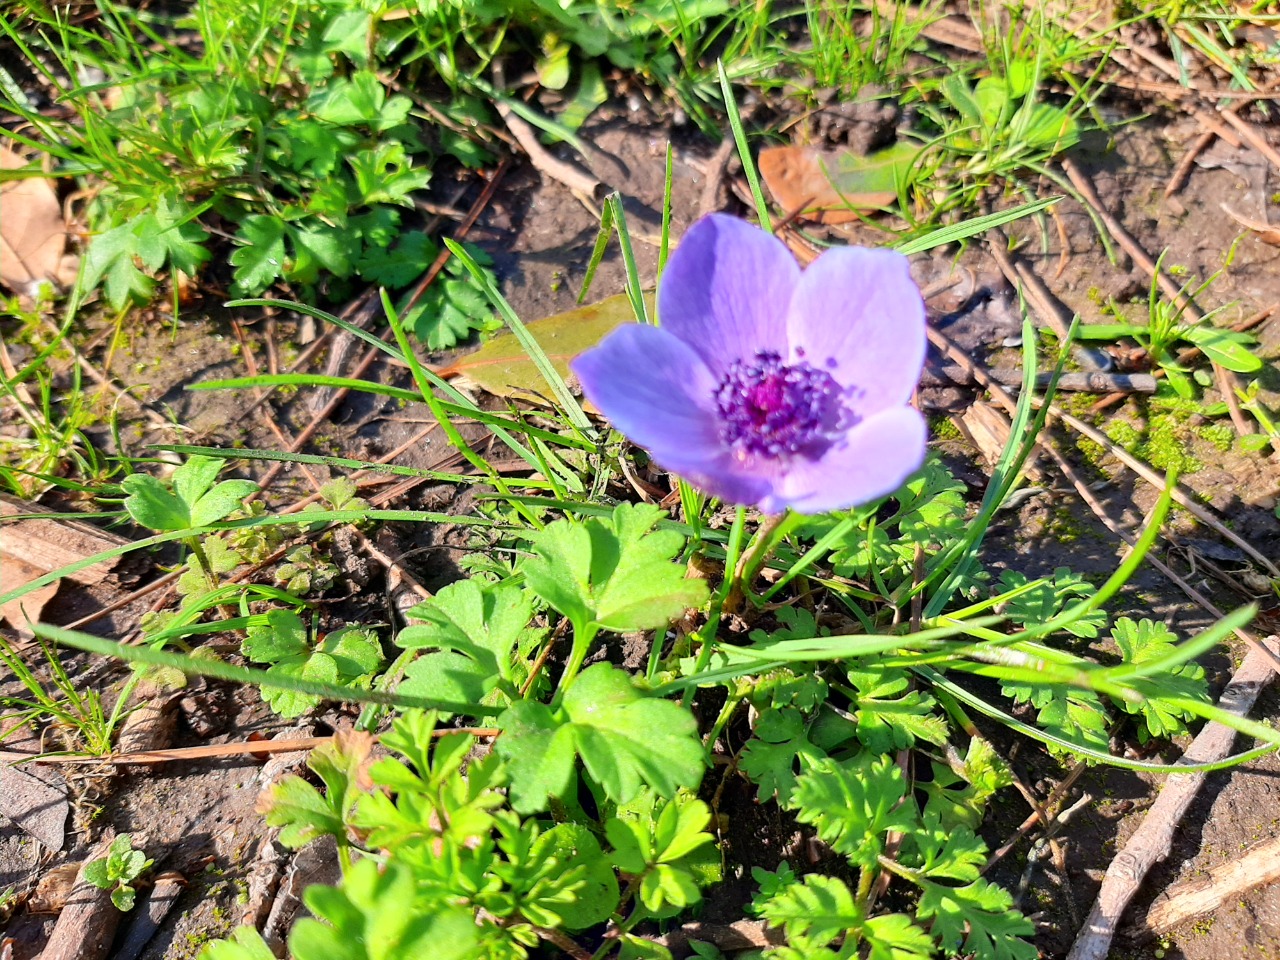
(774, 409)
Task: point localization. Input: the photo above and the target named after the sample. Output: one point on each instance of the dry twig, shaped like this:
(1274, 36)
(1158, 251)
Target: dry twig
(1153, 839)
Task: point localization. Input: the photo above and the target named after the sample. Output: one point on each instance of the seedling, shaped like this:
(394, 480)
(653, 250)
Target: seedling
(118, 871)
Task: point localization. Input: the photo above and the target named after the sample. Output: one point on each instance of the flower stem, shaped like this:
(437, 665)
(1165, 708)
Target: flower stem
(582, 638)
(767, 535)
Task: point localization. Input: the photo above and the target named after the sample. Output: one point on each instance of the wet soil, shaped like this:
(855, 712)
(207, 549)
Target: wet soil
(201, 813)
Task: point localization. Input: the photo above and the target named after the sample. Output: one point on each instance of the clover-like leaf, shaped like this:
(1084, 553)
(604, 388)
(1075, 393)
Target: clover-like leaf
(615, 571)
(471, 630)
(625, 739)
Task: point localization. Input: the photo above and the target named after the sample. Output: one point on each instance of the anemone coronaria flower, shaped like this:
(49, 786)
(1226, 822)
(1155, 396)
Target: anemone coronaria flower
(769, 386)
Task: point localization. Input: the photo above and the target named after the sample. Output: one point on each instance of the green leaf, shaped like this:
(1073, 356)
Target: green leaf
(976, 919)
(245, 944)
(771, 757)
(574, 846)
(539, 752)
(385, 174)
(152, 505)
(95, 872)
(301, 811)
(1142, 642)
(260, 260)
(348, 657)
(890, 716)
(896, 937)
(220, 502)
(632, 947)
(1227, 348)
(400, 265)
(854, 803)
(110, 258)
(815, 912)
(123, 897)
(613, 572)
(625, 739)
(317, 247)
(665, 844)
(379, 914)
(1045, 601)
(1075, 715)
(282, 637)
(474, 630)
(168, 233)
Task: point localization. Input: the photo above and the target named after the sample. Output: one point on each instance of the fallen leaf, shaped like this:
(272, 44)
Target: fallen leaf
(502, 368)
(32, 231)
(835, 186)
(35, 806)
(32, 548)
(1266, 232)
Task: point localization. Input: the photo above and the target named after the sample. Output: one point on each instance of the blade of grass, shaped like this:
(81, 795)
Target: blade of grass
(564, 396)
(744, 151)
(260, 678)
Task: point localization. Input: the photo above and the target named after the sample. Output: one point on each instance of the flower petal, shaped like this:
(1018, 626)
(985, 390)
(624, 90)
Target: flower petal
(872, 461)
(858, 314)
(725, 291)
(653, 388)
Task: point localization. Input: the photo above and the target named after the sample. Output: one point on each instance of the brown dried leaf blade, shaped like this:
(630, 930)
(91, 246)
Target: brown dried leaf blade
(835, 186)
(32, 232)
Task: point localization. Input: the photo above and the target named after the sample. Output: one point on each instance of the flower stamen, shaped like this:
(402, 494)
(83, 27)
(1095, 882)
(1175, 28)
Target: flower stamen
(774, 409)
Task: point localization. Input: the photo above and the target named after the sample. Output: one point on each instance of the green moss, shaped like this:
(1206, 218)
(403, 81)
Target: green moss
(1093, 452)
(941, 428)
(1164, 444)
(1124, 434)
(1220, 435)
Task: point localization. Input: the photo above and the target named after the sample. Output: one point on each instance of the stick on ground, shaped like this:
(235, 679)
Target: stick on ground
(1153, 840)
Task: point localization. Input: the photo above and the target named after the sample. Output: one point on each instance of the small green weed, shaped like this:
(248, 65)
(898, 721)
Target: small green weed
(118, 871)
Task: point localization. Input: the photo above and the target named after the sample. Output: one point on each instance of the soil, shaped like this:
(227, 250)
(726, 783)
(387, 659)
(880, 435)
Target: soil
(200, 814)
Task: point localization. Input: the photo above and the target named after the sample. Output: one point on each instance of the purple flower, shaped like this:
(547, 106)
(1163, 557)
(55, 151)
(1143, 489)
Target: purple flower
(765, 385)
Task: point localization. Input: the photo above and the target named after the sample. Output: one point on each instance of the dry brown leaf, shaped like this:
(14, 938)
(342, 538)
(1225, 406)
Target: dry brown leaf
(834, 186)
(33, 234)
(37, 807)
(32, 548)
(1266, 232)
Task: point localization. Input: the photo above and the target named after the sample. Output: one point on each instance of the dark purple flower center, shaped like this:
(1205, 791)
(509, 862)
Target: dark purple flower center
(774, 409)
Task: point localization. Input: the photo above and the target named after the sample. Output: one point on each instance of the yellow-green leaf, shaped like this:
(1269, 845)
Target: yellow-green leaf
(503, 368)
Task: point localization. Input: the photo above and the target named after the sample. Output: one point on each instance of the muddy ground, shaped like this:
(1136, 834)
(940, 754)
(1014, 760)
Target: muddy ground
(199, 815)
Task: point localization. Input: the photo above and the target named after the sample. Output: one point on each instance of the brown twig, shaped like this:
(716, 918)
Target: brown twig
(1153, 839)
(1256, 867)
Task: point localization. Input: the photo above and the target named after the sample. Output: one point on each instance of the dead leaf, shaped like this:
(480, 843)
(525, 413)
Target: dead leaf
(502, 368)
(32, 231)
(37, 807)
(835, 186)
(32, 548)
(1266, 232)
